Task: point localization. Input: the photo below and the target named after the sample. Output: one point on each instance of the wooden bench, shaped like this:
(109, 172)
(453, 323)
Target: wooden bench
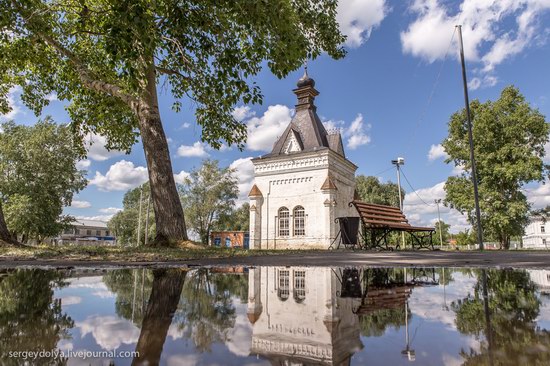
(380, 220)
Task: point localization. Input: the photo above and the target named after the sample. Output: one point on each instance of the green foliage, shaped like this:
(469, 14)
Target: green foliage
(444, 232)
(124, 224)
(100, 56)
(208, 193)
(39, 177)
(235, 220)
(509, 139)
(510, 324)
(371, 190)
(30, 318)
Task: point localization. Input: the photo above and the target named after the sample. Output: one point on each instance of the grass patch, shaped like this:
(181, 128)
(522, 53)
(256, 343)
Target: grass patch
(182, 251)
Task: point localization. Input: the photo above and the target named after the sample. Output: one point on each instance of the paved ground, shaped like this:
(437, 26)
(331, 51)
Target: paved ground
(514, 259)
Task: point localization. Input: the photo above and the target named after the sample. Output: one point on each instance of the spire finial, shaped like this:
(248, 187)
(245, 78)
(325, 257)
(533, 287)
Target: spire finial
(305, 80)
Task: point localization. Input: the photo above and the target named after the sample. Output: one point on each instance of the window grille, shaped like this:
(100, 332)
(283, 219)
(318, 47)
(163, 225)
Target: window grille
(299, 221)
(284, 284)
(284, 222)
(299, 286)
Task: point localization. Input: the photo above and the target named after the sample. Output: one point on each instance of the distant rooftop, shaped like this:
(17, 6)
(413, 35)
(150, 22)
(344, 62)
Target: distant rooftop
(90, 223)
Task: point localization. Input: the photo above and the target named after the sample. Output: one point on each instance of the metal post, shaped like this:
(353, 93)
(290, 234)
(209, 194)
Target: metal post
(471, 140)
(139, 216)
(147, 220)
(437, 202)
(397, 163)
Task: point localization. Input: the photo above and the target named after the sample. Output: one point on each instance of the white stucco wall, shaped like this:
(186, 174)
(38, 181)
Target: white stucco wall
(296, 180)
(537, 235)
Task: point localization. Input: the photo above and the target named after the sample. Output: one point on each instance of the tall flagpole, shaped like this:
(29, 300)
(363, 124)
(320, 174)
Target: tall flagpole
(471, 140)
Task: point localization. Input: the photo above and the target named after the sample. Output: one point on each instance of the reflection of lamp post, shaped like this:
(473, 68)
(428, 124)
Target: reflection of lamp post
(445, 307)
(408, 352)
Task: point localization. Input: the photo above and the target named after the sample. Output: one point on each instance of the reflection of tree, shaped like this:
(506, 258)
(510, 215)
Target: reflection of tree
(376, 323)
(132, 288)
(510, 323)
(206, 308)
(165, 295)
(30, 318)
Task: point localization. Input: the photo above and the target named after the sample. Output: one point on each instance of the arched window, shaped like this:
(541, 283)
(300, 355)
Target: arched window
(284, 224)
(299, 286)
(283, 291)
(299, 221)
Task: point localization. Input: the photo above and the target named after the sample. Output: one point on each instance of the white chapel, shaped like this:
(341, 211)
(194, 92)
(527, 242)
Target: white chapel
(303, 185)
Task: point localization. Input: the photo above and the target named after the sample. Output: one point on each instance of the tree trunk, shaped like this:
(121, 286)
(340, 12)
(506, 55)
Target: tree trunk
(164, 299)
(169, 218)
(4, 232)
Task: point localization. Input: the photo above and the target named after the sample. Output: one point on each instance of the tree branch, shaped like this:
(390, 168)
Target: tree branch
(171, 72)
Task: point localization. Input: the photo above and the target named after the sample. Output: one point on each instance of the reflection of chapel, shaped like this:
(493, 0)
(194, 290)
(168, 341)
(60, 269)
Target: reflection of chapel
(298, 317)
(303, 185)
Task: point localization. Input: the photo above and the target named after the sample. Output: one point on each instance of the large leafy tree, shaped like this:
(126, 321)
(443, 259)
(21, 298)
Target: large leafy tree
(106, 59)
(371, 190)
(208, 193)
(38, 177)
(509, 139)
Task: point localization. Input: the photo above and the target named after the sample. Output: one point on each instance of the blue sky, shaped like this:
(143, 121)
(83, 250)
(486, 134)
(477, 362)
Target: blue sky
(392, 95)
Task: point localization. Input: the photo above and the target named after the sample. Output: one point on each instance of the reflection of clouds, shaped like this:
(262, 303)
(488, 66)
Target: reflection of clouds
(65, 345)
(428, 302)
(109, 331)
(240, 336)
(104, 294)
(449, 360)
(95, 282)
(70, 300)
(177, 360)
(175, 332)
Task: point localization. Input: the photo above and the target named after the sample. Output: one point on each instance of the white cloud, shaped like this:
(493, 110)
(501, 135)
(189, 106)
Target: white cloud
(421, 209)
(104, 218)
(186, 125)
(121, 176)
(356, 133)
(240, 335)
(539, 196)
(332, 125)
(195, 150)
(263, 131)
(546, 158)
(52, 97)
(357, 18)
(14, 102)
(244, 171)
(80, 204)
(180, 177)
(493, 30)
(436, 152)
(95, 145)
(70, 300)
(83, 164)
(109, 332)
(243, 112)
(110, 210)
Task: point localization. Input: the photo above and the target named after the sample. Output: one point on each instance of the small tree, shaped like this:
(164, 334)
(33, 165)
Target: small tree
(237, 219)
(371, 190)
(208, 193)
(38, 178)
(444, 232)
(509, 139)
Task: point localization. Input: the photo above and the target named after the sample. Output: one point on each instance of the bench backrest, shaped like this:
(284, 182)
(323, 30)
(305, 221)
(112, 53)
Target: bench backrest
(380, 215)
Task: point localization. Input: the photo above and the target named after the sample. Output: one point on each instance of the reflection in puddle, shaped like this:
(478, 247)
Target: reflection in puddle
(278, 315)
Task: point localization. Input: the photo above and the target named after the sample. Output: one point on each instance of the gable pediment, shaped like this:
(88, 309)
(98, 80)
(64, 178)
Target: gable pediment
(293, 143)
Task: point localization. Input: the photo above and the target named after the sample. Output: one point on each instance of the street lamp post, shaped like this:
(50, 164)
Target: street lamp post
(437, 202)
(398, 162)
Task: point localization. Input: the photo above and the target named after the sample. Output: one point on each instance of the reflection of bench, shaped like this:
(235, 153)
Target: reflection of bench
(380, 220)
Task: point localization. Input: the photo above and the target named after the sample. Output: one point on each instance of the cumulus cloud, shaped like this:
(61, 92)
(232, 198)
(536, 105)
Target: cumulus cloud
(104, 218)
(263, 131)
(110, 210)
(495, 31)
(244, 171)
(357, 18)
(180, 177)
(436, 152)
(421, 209)
(70, 300)
(356, 134)
(539, 196)
(109, 332)
(80, 204)
(196, 150)
(121, 176)
(14, 102)
(243, 112)
(83, 164)
(95, 145)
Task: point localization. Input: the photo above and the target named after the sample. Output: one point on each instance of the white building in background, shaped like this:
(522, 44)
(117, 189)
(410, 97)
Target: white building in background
(537, 234)
(303, 185)
(541, 278)
(299, 317)
(87, 232)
